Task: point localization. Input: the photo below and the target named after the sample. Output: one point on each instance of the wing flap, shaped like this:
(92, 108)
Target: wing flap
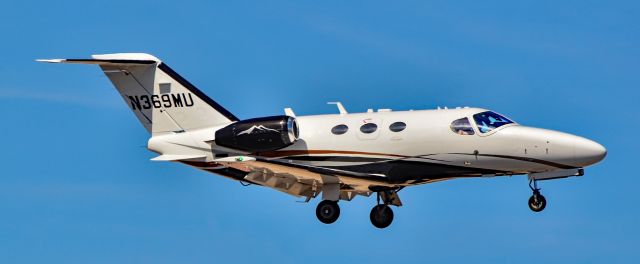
(301, 182)
(286, 183)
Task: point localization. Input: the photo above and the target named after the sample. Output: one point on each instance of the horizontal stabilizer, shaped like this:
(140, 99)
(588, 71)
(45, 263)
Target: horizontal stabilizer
(110, 59)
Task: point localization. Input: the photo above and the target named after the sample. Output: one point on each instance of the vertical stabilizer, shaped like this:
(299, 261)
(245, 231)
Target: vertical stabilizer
(162, 100)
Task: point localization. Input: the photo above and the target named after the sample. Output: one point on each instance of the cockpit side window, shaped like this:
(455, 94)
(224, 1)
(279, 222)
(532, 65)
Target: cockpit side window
(488, 121)
(462, 126)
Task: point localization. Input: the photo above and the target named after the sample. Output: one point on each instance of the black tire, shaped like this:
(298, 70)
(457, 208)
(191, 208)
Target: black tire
(381, 216)
(328, 211)
(537, 202)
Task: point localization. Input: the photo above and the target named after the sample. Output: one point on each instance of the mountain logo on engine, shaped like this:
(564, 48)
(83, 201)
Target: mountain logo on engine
(259, 128)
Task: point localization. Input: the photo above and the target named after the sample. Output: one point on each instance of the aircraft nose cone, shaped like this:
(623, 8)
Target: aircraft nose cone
(588, 152)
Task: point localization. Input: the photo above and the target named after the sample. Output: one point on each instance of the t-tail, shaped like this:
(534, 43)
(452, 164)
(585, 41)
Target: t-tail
(161, 99)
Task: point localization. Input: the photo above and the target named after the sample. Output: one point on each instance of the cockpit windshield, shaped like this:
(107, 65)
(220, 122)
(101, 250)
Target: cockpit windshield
(488, 121)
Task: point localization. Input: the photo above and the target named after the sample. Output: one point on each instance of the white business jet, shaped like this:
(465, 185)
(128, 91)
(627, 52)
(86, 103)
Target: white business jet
(339, 155)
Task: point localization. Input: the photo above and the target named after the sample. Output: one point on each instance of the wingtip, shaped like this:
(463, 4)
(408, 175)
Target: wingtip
(50, 60)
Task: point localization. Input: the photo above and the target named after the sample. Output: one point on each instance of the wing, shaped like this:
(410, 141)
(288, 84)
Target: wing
(295, 179)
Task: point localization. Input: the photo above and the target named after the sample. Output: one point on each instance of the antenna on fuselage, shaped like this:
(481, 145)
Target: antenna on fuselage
(340, 107)
(289, 112)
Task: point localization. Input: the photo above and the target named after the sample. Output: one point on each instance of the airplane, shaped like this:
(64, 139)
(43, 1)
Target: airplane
(339, 156)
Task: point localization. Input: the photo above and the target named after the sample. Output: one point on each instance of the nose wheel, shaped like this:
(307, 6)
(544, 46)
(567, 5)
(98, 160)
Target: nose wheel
(537, 202)
(328, 211)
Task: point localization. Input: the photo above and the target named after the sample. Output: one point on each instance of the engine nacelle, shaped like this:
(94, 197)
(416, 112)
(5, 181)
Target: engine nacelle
(259, 134)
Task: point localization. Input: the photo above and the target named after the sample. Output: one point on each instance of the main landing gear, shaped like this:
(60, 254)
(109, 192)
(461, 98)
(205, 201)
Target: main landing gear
(537, 202)
(328, 211)
(381, 215)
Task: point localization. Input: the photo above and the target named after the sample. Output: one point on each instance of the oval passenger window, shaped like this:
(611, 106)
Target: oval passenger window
(397, 126)
(368, 128)
(339, 129)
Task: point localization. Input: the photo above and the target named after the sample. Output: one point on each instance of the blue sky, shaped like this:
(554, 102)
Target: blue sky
(77, 185)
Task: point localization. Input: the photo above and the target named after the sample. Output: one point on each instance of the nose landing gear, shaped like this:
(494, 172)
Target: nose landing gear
(537, 202)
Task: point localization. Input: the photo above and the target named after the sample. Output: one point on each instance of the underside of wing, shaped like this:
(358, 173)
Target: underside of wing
(296, 180)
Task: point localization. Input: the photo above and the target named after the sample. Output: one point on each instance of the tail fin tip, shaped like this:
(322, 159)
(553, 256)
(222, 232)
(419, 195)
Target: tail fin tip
(126, 56)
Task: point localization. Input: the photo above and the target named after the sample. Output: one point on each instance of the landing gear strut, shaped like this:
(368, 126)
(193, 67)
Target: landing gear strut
(328, 211)
(537, 202)
(381, 215)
